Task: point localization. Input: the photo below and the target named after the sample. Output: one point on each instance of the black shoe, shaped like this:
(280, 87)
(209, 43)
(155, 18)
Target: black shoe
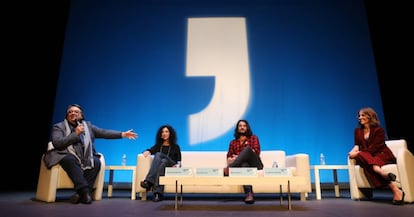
(85, 197)
(399, 202)
(249, 198)
(146, 184)
(392, 177)
(157, 197)
(75, 198)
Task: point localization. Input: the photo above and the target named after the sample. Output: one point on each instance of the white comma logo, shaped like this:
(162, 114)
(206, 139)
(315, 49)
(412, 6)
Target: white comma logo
(218, 47)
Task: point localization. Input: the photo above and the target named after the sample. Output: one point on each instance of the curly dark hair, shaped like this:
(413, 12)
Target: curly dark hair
(173, 135)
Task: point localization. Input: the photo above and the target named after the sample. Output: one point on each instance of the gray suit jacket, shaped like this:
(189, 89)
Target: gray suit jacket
(61, 141)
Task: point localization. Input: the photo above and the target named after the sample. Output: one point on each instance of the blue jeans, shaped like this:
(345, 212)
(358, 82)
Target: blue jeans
(157, 169)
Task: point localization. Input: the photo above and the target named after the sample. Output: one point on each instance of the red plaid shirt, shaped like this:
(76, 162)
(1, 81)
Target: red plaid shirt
(236, 146)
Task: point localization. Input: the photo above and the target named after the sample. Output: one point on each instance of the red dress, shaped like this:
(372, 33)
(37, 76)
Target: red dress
(373, 151)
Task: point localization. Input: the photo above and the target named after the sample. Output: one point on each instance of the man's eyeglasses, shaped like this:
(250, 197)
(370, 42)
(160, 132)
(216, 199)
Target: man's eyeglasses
(74, 111)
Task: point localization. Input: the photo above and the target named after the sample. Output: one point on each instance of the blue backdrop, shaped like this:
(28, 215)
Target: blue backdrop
(297, 70)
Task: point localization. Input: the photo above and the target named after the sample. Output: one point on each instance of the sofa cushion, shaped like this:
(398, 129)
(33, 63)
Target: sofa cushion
(269, 156)
(213, 159)
(203, 159)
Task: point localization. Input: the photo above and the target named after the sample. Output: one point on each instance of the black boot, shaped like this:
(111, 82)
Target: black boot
(226, 171)
(248, 190)
(249, 198)
(146, 184)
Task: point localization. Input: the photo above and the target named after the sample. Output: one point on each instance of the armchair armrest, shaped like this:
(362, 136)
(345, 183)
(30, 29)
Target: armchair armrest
(99, 182)
(302, 164)
(405, 165)
(142, 168)
(353, 187)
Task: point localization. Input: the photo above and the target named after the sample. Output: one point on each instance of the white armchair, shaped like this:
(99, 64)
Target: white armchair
(404, 170)
(50, 180)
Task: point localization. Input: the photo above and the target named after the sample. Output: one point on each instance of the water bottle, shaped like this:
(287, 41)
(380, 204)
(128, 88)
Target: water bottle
(124, 160)
(179, 164)
(274, 165)
(322, 159)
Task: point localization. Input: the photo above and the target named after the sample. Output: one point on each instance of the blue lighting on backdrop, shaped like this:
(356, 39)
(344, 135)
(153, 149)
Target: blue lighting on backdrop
(298, 70)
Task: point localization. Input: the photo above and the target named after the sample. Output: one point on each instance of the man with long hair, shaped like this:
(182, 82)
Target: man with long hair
(244, 151)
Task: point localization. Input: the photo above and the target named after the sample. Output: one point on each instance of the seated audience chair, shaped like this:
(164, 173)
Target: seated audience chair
(404, 170)
(50, 180)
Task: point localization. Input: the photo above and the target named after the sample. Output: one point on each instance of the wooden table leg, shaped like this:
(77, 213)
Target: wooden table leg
(133, 189)
(176, 195)
(110, 184)
(181, 194)
(289, 197)
(281, 194)
(336, 185)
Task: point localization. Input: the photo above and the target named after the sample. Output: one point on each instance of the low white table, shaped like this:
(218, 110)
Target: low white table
(111, 178)
(334, 168)
(280, 183)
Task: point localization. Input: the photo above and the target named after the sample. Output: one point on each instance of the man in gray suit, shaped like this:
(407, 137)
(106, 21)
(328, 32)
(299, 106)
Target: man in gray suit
(73, 141)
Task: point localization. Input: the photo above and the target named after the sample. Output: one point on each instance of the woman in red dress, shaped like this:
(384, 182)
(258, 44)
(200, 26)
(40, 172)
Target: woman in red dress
(371, 153)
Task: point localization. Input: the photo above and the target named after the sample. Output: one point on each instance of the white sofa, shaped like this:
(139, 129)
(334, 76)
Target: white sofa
(299, 165)
(404, 170)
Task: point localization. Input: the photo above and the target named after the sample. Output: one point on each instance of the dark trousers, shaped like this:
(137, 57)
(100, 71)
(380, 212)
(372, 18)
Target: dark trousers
(247, 158)
(81, 178)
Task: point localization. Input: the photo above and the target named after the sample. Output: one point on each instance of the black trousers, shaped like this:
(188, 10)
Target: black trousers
(81, 178)
(247, 158)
